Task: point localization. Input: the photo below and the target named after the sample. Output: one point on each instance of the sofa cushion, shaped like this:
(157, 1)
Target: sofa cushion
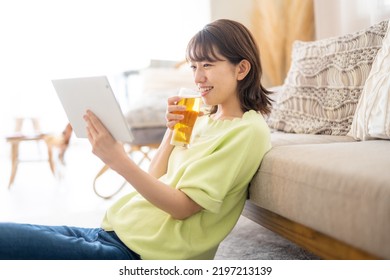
(147, 123)
(372, 116)
(145, 136)
(339, 189)
(325, 81)
(283, 139)
(152, 114)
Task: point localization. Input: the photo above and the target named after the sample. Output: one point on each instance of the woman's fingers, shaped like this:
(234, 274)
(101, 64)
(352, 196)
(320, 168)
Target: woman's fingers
(95, 128)
(91, 129)
(96, 123)
(173, 100)
(173, 115)
(172, 119)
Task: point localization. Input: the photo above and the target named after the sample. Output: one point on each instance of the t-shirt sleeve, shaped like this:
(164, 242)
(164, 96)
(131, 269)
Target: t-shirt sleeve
(229, 168)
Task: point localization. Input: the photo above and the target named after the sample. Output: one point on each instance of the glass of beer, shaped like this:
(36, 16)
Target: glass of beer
(182, 131)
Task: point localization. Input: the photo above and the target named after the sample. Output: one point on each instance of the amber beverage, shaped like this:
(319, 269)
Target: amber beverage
(182, 131)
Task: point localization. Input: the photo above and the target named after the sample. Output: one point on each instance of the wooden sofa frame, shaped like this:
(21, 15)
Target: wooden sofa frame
(323, 246)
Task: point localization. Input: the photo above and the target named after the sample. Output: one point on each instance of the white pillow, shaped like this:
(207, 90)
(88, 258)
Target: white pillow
(148, 107)
(166, 80)
(372, 116)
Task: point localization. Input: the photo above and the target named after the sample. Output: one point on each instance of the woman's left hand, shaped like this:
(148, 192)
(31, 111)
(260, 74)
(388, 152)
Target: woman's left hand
(103, 144)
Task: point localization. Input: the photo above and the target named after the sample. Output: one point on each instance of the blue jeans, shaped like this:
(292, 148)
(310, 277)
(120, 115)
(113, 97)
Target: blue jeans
(36, 242)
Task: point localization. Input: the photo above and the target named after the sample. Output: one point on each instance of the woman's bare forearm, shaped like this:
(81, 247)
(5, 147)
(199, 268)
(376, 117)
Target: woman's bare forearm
(171, 200)
(159, 163)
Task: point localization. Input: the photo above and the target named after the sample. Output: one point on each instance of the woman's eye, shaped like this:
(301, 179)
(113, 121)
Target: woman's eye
(193, 67)
(206, 65)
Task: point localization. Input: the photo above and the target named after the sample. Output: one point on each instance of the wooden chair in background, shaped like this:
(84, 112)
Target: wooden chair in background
(61, 142)
(52, 141)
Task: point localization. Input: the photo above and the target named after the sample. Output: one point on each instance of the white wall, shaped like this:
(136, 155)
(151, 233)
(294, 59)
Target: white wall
(239, 10)
(339, 17)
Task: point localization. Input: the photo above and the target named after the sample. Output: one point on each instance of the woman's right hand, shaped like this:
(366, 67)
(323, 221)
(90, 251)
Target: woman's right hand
(172, 114)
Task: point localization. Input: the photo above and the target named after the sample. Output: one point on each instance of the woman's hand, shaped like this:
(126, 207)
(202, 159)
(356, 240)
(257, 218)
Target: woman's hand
(103, 144)
(172, 115)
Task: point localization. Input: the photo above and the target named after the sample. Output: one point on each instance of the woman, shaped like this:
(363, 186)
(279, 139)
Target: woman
(190, 199)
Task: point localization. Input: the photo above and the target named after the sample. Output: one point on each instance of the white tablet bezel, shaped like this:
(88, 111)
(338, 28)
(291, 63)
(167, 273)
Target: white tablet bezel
(77, 95)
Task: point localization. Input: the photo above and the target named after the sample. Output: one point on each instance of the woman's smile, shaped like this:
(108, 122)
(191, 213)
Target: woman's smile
(205, 90)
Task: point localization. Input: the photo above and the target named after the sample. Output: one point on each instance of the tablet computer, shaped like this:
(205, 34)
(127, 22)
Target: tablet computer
(77, 95)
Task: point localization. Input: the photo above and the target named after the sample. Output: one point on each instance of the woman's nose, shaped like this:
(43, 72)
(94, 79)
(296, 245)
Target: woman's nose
(199, 76)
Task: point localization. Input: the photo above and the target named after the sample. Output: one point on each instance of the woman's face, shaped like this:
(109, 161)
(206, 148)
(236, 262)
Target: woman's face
(217, 81)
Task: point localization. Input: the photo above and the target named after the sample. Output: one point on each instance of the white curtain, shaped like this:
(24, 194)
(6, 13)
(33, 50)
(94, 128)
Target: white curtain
(339, 17)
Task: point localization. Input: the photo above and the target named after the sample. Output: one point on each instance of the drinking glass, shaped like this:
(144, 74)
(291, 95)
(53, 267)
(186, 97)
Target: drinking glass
(183, 130)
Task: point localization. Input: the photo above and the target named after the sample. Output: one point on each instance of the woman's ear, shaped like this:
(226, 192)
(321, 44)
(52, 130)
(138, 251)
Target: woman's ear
(243, 69)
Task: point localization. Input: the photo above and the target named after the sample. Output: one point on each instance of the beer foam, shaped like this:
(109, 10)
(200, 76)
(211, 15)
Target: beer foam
(189, 93)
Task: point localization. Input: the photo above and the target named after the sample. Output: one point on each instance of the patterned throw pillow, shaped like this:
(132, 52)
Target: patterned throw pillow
(325, 81)
(372, 116)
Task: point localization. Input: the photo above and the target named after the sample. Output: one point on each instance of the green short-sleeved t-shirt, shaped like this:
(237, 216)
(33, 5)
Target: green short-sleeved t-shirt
(214, 172)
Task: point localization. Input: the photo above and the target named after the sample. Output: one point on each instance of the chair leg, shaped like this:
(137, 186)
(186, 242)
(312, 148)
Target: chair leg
(133, 149)
(14, 161)
(101, 172)
(50, 158)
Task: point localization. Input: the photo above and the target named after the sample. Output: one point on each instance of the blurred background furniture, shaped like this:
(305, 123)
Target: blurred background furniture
(35, 134)
(60, 142)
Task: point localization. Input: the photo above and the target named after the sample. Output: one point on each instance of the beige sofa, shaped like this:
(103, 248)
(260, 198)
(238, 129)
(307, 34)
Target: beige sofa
(329, 194)
(325, 184)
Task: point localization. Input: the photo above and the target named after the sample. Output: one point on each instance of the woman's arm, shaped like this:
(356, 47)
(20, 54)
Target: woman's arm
(173, 201)
(159, 163)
